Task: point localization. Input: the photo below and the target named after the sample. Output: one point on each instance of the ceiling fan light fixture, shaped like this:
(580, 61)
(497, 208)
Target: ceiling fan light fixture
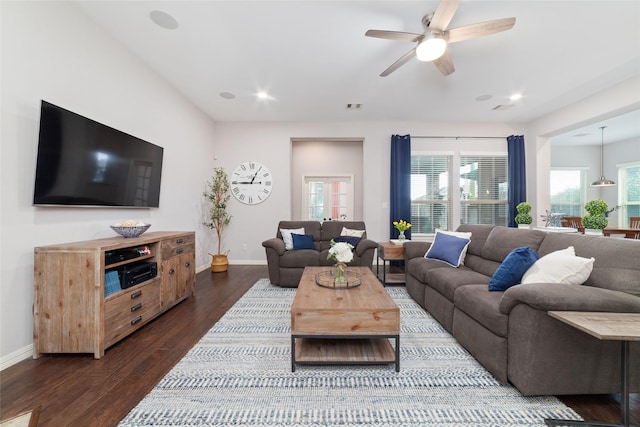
(431, 48)
(602, 182)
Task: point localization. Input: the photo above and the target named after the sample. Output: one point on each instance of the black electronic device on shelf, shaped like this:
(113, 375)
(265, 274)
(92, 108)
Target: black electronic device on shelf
(132, 274)
(119, 255)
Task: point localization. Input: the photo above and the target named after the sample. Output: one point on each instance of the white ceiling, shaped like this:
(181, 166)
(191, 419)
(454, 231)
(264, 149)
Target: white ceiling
(313, 58)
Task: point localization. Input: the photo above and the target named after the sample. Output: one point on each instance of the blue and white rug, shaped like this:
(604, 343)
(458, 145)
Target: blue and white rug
(239, 374)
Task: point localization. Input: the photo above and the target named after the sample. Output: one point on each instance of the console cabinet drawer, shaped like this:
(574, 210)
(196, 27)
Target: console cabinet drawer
(178, 246)
(130, 309)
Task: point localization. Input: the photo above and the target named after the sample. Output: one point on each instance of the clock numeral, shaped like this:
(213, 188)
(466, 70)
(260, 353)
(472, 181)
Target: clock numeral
(259, 198)
(241, 197)
(266, 174)
(252, 165)
(243, 167)
(250, 199)
(236, 190)
(265, 191)
(234, 183)
(267, 183)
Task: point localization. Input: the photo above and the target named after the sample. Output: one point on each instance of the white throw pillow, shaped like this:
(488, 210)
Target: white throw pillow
(462, 235)
(561, 266)
(288, 239)
(351, 232)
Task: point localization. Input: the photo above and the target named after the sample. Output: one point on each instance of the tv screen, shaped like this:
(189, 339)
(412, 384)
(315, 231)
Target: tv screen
(84, 163)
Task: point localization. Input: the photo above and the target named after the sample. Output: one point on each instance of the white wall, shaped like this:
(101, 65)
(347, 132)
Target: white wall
(616, 100)
(269, 144)
(51, 51)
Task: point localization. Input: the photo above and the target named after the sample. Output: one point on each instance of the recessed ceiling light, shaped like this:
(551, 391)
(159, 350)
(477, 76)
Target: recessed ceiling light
(227, 95)
(485, 97)
(515, 96)
(262, 95)
(163, 19)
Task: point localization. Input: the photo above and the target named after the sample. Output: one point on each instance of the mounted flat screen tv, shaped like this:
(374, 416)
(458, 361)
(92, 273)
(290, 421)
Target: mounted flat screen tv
(84, 163)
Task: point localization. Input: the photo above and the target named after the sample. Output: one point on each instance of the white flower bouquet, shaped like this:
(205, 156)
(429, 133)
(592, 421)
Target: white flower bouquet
(341, 253)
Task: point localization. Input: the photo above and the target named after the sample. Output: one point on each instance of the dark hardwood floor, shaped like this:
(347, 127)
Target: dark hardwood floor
(77, 390)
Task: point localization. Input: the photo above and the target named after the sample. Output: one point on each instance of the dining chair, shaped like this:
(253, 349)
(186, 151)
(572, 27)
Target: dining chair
(573, 222)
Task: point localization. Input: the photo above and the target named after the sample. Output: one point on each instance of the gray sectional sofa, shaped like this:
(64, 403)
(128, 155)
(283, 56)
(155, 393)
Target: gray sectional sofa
(509, 332)
(286, 266)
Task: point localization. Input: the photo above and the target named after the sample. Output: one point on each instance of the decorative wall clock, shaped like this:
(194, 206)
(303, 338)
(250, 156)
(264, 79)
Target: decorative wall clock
(251, 183)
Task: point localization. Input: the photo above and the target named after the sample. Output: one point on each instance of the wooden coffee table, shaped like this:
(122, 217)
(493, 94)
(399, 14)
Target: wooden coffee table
(344, 326)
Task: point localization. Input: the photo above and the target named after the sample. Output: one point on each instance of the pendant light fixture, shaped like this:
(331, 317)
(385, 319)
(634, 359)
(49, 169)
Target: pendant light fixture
(602, 182)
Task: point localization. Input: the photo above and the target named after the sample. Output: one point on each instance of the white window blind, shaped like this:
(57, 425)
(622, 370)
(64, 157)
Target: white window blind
(629, 192)
(483, 190)
(430, 193)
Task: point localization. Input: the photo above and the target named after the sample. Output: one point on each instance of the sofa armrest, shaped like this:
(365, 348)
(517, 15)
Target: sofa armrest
(275, 244)
(364, 245)
(553, 296)
(415, 249)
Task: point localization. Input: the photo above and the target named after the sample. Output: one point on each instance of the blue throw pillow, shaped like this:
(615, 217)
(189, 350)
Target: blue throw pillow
(353, 240)
(302, 241)
(513, 268)
(448, 248)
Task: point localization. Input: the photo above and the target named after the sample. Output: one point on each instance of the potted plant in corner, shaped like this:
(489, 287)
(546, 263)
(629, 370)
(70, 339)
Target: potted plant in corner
(596, 219)
(523, 218)
(217, 194)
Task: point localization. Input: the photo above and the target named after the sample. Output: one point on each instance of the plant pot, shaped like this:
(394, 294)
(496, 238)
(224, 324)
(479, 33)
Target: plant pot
(525, 226)
(593, 232)
(219, 263)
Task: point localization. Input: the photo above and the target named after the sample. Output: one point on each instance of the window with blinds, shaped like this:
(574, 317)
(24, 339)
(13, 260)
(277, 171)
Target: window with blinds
(629, 192)
(483, 190)
(567, 190)
(430, 193)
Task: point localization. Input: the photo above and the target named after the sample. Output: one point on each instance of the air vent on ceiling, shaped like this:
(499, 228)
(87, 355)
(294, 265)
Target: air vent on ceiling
(502, 107)
(354, 107)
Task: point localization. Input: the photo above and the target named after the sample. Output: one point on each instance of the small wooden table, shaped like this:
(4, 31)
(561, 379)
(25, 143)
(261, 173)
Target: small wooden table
(623, 327)
(344, 326)
(629, 233)
(388, 251)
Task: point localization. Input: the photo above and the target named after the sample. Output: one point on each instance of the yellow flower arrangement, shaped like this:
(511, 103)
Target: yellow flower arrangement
(402, 225)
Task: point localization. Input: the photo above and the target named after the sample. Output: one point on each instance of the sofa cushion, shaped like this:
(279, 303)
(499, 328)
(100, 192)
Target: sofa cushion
(480, 233)
(352, 240)
(299, 258)
(448, 248)
(302, 241)
(447, 280)
(351, 232)
(287, 236)
(502, 240)
(483, 307)
(513, 268)
(616, 265)
(561, 266)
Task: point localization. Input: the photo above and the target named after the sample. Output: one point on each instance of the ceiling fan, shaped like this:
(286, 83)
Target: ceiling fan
(432, 44)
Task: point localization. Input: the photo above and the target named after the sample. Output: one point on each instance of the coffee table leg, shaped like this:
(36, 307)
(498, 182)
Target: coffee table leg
(397, 353)
(293, 353)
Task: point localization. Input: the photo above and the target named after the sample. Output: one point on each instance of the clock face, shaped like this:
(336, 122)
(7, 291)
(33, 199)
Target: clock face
(251, 183)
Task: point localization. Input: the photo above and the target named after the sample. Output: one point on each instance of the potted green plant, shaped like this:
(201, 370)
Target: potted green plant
(596, 219)
(523, 218)
(217, 194)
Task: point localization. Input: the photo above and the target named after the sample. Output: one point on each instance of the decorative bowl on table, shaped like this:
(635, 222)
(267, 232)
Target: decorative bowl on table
(131, 230)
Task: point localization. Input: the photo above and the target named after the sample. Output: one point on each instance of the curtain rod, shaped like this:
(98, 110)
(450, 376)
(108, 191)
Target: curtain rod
(459, 137)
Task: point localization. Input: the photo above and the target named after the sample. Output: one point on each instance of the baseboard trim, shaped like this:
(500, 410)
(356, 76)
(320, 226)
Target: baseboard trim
(15, 357)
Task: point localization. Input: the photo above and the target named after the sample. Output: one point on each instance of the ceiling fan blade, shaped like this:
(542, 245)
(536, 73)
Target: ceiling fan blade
(478, 30)
(400, 62)
(445, 64)
(443, 14)
(394, 35)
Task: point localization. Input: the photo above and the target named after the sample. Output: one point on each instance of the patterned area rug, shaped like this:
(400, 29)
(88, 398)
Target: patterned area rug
(239, 374)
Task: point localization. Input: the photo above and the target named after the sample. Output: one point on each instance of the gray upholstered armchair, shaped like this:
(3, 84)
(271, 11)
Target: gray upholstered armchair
(286, 266)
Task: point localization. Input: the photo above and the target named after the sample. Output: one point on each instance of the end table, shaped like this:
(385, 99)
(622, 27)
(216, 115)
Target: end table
(388, 251)
(623, 327)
